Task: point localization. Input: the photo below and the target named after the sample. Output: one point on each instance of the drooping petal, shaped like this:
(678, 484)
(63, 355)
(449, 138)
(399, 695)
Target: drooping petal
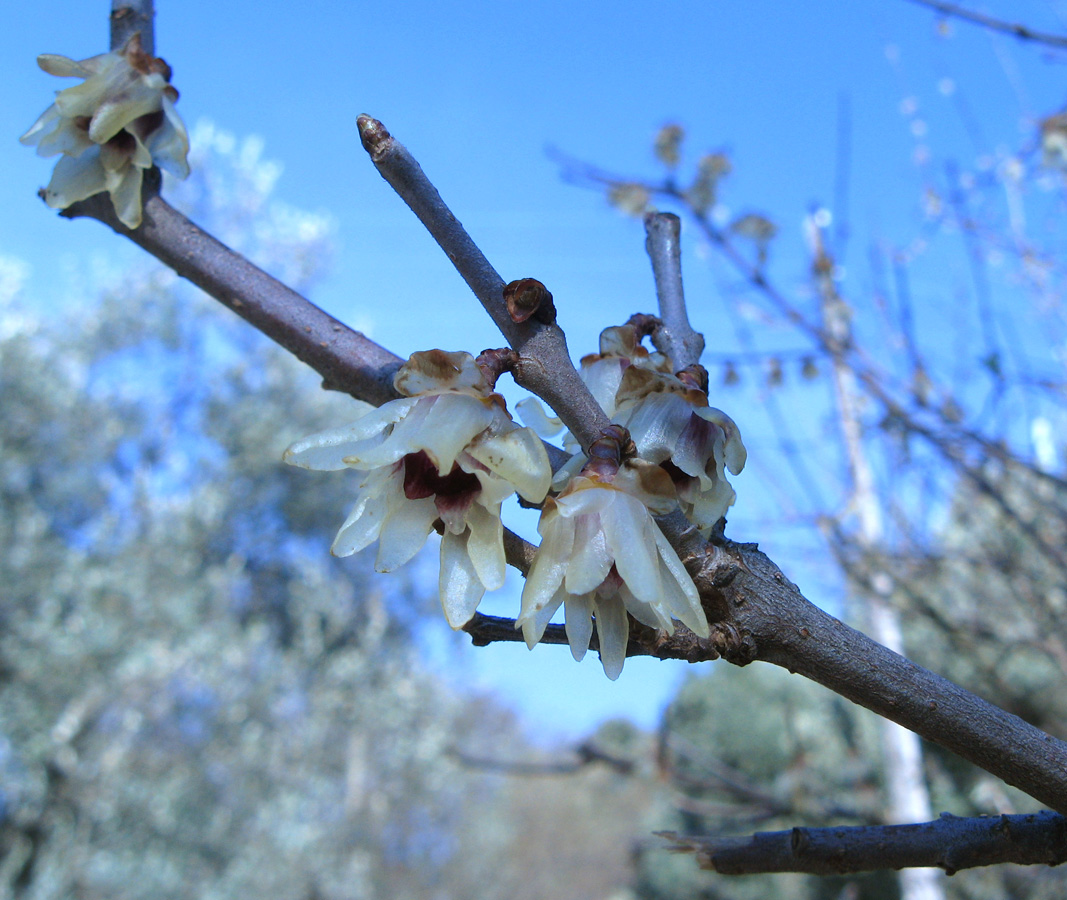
(485, 545)
(654, 615)
(613, 630)
(679, 593)
(461, 590)
(590, 560)
(126, 197)
(736, 454)
(75, 178)
(169, 144)
(550, 563)
(364, 523)
(579, 623)
(533, 625)
(629, 532)
(405, 529)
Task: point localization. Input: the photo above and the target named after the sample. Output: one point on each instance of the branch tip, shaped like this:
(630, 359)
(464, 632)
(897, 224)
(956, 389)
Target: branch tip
(373, 135)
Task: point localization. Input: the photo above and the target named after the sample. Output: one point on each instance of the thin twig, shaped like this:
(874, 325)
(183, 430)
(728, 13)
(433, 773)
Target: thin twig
(544, 366)
(128, 17)
(1022, 32)
(949, 843)
(676, 336)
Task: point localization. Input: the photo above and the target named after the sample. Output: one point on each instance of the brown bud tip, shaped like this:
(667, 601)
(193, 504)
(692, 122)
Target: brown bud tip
(694, 376)
(643, 324)
(528, 297)
(495, 363)
(372, 133)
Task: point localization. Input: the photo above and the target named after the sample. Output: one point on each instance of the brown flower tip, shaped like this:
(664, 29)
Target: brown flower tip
(608, 452)
(528, 298)
(495, 363)
(372, 134)
(643, 324)
(694, 376)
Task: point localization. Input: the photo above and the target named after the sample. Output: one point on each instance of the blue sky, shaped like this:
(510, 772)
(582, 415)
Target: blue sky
(477, 91)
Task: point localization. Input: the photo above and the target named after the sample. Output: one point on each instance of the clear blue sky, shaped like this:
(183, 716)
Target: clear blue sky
(478, 90)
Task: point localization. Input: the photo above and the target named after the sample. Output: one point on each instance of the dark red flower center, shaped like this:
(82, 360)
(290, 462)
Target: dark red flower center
(457, 489)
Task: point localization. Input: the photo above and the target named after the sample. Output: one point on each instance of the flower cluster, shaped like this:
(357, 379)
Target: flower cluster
(445, 455)
(109, 129)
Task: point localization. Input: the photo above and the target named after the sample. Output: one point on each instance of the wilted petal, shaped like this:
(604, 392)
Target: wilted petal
(735, 453)
(613, 630)
(461, 589)
(404, 531)
(126, 197)
(434, 371)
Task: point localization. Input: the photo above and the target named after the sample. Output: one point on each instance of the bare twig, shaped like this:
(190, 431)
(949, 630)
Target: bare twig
(950, 843)
(1022, 32)
(544, 366)
(128, 17)
(676, 337)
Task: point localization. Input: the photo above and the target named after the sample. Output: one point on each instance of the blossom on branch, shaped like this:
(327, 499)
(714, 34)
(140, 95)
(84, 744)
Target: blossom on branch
(444, 456)
(113, 126)
(603, 556)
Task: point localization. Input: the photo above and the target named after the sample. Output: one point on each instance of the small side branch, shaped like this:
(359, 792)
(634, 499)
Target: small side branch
(1016, 30)
(950, 843)
(544, 365)
(676, 337)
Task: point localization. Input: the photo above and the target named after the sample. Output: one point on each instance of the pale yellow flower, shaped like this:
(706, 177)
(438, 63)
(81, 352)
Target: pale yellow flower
(113, 126)
(446, 454)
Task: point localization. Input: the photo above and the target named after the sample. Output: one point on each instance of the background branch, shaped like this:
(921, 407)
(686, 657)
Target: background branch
(1022, 32)
(949, 843)
(676, 336)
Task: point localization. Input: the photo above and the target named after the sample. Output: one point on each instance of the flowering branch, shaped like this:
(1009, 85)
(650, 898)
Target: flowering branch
(676, 337)
(950, 843)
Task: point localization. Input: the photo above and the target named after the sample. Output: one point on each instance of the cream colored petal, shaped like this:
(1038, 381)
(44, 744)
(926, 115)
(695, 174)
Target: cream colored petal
(452, 422)
(405, 529)
(126, 196)
(550, 563)
(613, 630)
(67, 139)
(649, 484)
(169, 144)
(63, 66)
(130, 96)
(533, 416)
(485, 545)
(590, 560)
(603, 378)
(680, 595)
(654, 423)
(533, 626)
(517, 456)
(629, 531)
(327, 450)
(364, 523)
(461, 590)
(579, 623)
(75, 178)
(652, 615)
